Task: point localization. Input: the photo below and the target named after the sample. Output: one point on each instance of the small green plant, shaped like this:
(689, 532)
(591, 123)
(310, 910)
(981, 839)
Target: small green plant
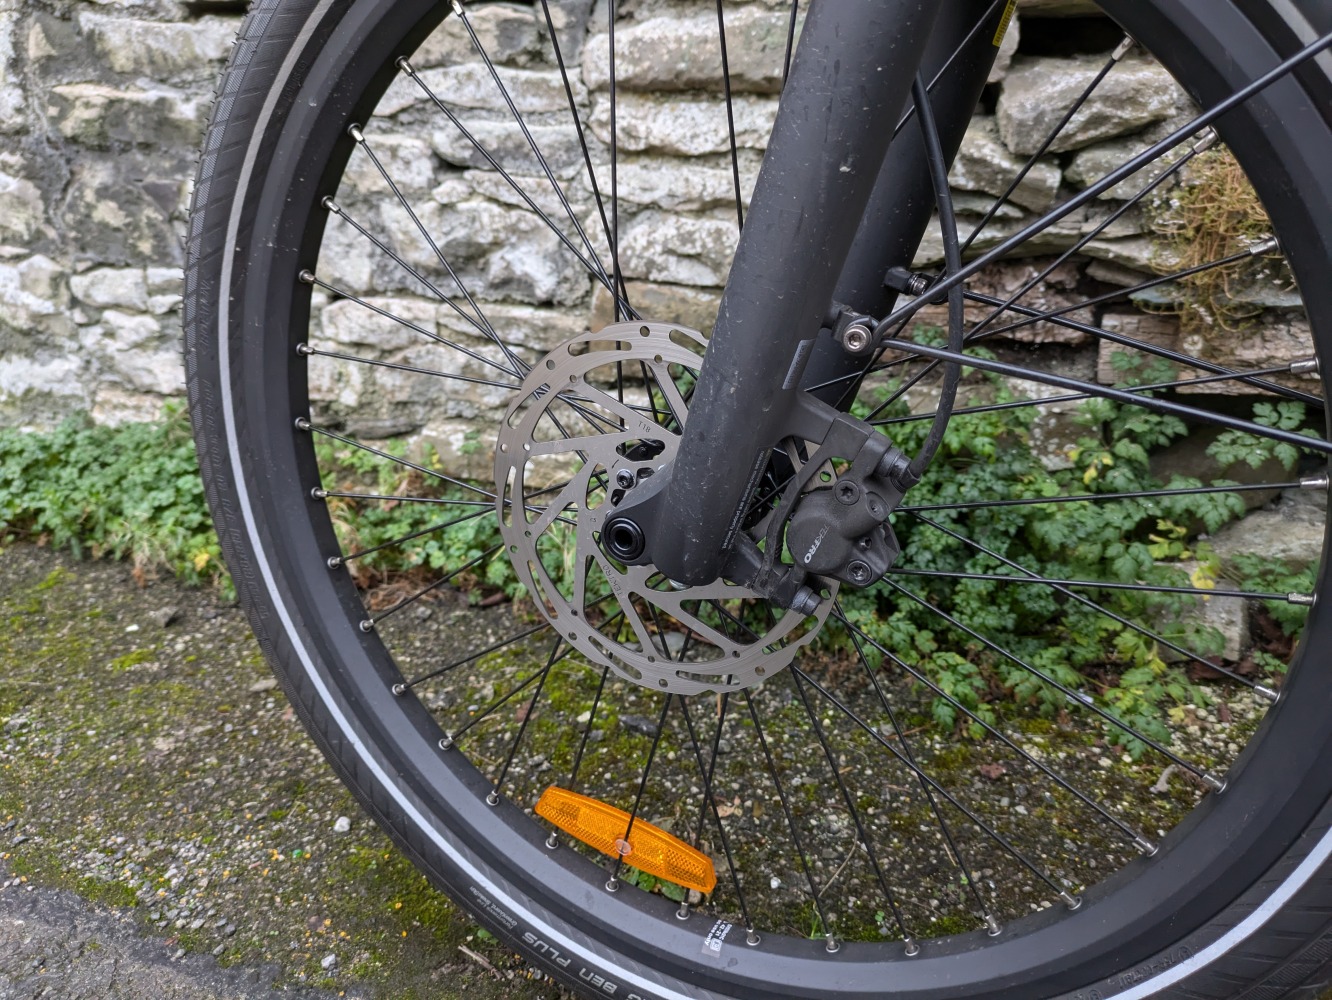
(130, 492)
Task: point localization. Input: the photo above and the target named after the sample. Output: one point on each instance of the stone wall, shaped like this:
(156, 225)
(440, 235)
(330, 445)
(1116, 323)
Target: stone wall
(101, 108)
(102, 105)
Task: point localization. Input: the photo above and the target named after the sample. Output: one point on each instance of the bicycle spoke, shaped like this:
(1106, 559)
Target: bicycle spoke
(555, 657)
(614, 882)
(369, 624)
(952, 800)
(1074, 698)
(472, 657)
(1103, 497)
(310, 278)
(592, 264)
(730, 118)
(359, 137)
(1086, 602)
(1112, 179)
(1119, 395)
(710, 804)
(305, 425)
(536, 151)
(858, 635)
(814, 893)
(834, 765)
(1120, 52)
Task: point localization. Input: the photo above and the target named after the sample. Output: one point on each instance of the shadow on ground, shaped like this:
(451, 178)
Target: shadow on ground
(149, 764)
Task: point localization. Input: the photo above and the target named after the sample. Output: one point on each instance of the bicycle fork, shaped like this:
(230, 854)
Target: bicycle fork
(837, 203)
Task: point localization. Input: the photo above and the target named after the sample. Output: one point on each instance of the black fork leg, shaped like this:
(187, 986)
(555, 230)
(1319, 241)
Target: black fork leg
(849, 82)
(965, 40)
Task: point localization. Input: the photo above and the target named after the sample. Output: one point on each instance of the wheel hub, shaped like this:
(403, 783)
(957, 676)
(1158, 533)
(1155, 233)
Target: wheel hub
(595, 420)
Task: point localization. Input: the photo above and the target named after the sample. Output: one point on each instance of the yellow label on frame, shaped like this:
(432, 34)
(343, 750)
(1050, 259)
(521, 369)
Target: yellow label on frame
(1004, 22)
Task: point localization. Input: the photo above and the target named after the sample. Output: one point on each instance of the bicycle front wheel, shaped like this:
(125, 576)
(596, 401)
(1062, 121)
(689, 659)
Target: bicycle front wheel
(444, 268)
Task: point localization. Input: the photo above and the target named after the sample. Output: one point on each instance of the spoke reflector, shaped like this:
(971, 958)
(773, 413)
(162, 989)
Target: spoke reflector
(648, 848)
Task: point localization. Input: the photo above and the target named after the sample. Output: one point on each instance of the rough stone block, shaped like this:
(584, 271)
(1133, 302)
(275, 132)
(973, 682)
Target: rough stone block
(508, 33)
(22, 211)
(1291, 532)
(984, 164)
(160, 50)
(108, 286)
(684, 53)
(1038, 92)
(102, 117)
(678, 249)
(683, 126)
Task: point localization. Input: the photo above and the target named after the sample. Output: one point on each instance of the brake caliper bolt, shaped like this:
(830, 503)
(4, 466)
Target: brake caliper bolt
(847, 492)
(859, 572)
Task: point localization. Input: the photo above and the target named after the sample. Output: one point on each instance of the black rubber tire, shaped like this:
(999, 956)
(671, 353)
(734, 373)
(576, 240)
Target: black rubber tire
(1257, 923)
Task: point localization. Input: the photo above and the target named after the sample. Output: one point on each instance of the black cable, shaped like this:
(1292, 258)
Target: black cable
(952, 264)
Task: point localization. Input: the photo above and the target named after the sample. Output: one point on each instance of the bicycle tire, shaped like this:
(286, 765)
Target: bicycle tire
(1253, 922)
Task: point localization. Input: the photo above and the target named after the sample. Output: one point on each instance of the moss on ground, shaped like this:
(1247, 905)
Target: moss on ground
(155, 769)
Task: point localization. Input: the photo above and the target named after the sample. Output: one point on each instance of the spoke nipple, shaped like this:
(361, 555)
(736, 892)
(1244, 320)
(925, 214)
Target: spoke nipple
(612, 884)
(332, 206)
(493, 798)
(446, 742)
(1206, 141)
(304, 349)
(334, 562)
(1267, 692)
(1216, 784)
(1318, 482)
(404, 64)
(830, 945)
(1266, 246)
(552, 842)
(307, 276)
(399, 689)
(683, 912)
(1123, 49)
(355, 132)
(318, 493)
(912, 949)
(368, 625)
(1305, 366)
(752, 937)
(302, 423)
(1071, 901)
(458, 9)
(994, 930)
(1304, 600)
(1145, 846)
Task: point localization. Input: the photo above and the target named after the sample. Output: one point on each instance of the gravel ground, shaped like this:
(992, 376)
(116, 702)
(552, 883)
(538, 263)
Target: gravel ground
(148, 764)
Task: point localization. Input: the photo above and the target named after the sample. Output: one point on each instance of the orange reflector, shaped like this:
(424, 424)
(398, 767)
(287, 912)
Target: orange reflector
(649, 848)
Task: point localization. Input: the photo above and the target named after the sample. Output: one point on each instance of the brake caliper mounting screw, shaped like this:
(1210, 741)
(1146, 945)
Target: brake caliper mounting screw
(857, 338)
(847, 492)
(859, 572)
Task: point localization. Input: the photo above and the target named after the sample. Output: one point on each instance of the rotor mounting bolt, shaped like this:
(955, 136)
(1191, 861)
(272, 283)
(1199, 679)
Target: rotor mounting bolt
(859, 572)
(847, 492)
(625, 479)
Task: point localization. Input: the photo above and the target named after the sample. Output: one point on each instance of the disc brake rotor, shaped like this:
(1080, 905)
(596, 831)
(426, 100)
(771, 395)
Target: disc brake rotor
(593, 421)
